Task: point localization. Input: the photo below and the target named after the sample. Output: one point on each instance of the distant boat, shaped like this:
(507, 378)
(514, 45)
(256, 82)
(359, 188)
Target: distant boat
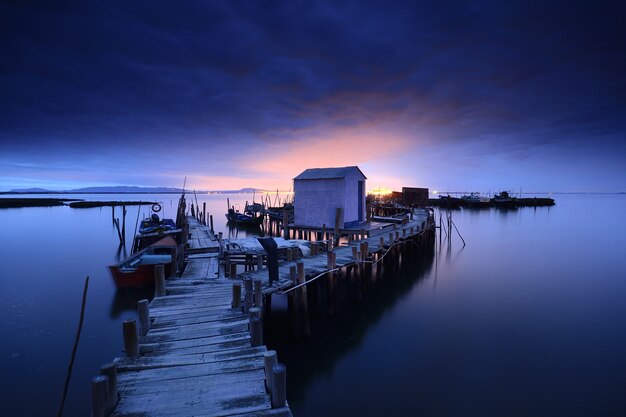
(475, 200)
(138, 270)
(450, 202)
(504, 200)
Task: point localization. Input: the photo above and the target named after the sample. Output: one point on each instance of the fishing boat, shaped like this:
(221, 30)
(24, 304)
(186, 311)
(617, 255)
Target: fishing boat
(236, 218)
(504, 200)
(475, 200)
(154, 224)
(138, 270)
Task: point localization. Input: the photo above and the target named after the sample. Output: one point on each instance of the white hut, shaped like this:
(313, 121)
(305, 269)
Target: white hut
(319, 192)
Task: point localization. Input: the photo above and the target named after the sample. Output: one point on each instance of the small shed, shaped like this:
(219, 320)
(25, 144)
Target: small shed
(415, 196)
(319, 192)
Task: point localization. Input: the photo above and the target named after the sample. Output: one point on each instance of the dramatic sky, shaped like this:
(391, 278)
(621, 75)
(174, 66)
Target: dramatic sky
(449, 95)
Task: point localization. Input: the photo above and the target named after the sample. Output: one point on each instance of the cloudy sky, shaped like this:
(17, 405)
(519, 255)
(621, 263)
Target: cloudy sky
(448, 95)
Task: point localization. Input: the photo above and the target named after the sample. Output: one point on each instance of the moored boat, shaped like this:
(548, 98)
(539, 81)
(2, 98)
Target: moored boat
(475, 200)
(504, 200)
(234, 217)
(138, 270)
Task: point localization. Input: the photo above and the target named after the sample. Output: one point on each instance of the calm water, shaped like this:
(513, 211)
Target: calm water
(528, 319)
(45, 255)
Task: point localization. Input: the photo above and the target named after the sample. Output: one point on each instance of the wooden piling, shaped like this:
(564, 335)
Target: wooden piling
(258, 293)
(259, 261)
(236, 302)
(269, 360)
(100, 396)
(248, 286)
(279, 386)
(303, 301)
(159, 281)
(110, 371)
(233, 270)
(143, 311)
(256, 331)
(131, 342)
(211, 221)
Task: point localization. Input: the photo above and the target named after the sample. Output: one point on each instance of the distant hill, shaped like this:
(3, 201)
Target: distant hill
(125, 189)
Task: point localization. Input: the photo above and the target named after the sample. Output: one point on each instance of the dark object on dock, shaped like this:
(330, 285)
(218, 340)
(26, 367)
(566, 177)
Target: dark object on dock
(415, 196)
(138, 269)
(449, 202)
(33, 202)
(92, 204)
(270, 246)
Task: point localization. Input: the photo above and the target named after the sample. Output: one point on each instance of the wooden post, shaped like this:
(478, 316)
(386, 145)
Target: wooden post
(397, 235)
(314, 249)
(248, 286)
(269, 360)
(304, 305)
(159, 281)
(324, 231)
(110, 371)
(279, 385)
(211, 222)
(258, 293)
(390, 238)
(131, 342)
(100, 402)
(259, 261)
(338, 211)
(236, 302)
(256, 331)
(292, 303)
(381, 243)
(204, 212)
(233, 270)
(354, 253)
(144, 316)
(285, 225)
(295, 253)
(289, 255)
(254, 312)
(403, 232)
(330, 264)
(362, 233)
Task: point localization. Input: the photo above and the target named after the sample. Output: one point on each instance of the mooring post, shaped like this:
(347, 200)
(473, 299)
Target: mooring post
(131, 342)
(285, 225)
(304, 305)
(258, 293)
(259, 261)
(292, 303)
(159, 281)
(397, 235)
(233, 270)
(314, 249)
(324, 231)
(143, 309)
(100, 396)
(236, 302)
(110, 371)
(256, 331)
(289, 255)
(354, 253)
(204, 212)
(269, 360)
(279, 385)
(381, 243)
(211, 222)
(295, 253)
(248, 286)
(390, 238)
(338, 224)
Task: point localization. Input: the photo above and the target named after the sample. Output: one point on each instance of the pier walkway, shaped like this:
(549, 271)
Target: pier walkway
(197, 359)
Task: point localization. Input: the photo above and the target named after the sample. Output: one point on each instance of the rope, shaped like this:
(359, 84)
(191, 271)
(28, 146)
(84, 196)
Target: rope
(348, 264)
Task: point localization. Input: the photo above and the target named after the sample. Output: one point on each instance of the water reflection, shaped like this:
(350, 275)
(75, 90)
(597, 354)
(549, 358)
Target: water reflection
(126, 300)
(334, 338)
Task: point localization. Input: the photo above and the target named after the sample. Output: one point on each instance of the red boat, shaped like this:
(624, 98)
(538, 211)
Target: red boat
(138, 269)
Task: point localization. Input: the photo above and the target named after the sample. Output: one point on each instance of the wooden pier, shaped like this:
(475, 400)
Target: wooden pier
(192, 353)
(197, 348)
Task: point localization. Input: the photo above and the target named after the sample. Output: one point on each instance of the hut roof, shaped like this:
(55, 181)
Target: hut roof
(327, 173)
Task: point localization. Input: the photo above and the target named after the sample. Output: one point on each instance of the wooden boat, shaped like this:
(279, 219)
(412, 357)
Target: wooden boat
(155, 225)
(504, 200)
(475, 200)
(138, 269)
(234, 217)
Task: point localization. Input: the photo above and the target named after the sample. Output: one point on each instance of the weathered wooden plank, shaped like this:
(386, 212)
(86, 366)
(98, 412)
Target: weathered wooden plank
(175, 345)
